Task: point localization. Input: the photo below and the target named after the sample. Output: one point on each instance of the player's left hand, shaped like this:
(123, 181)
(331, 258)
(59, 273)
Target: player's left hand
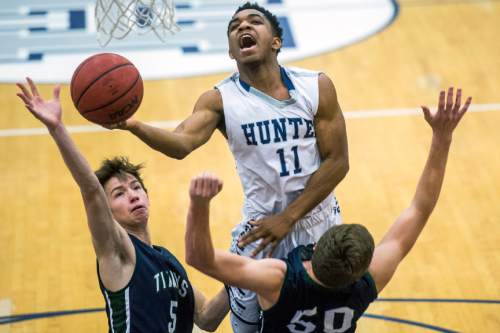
(449, 113)
(48, 112)
(271, 230)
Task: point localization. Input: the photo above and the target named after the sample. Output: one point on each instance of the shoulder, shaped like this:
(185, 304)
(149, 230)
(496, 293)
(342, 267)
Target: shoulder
(210, 100)
(327, 93)
(325, 84)
(301, 72)
(367, 287)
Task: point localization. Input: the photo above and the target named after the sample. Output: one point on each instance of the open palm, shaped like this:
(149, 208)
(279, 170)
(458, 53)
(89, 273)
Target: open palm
(48, 112)
(448, 114)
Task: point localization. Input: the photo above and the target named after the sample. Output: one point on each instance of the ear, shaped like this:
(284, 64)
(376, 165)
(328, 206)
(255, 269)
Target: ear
(276, 44)
(230, 54)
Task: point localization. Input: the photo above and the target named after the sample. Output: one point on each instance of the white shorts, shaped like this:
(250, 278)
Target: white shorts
(245, 310)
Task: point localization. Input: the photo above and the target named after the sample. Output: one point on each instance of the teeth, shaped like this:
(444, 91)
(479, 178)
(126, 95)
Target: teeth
(246, 41)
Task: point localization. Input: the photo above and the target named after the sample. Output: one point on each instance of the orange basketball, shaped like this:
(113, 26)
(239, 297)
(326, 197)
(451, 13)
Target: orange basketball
(106, 88)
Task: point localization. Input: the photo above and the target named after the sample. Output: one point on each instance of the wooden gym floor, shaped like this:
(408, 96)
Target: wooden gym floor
(46, 258)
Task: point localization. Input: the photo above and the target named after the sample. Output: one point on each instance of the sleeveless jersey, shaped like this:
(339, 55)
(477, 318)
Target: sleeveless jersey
(158, 299)
(306, 306)
(273, 142)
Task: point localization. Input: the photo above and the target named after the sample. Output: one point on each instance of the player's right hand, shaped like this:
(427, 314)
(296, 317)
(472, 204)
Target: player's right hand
(122, 125)
(204, 187)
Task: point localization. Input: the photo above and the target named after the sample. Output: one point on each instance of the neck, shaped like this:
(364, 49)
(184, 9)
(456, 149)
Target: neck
(308, 267)
(142, 234)
(265, 77)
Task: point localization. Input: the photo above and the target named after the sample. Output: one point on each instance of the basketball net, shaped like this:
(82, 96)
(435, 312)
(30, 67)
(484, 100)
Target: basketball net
(117, 18)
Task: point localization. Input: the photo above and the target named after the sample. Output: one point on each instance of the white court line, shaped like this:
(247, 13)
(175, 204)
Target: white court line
(5, 311)
(173, 123)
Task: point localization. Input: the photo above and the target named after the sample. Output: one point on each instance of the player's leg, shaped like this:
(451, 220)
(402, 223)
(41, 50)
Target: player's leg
(245, 309)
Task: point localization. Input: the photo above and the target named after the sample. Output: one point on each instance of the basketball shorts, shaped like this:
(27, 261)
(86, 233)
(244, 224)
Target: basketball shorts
(245, 310)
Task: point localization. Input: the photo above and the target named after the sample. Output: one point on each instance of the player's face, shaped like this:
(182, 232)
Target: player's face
(128, 201)
(251, 37)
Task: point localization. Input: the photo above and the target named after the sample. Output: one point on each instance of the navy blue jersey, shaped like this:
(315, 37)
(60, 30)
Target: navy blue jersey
(305, 306)
(158, 298)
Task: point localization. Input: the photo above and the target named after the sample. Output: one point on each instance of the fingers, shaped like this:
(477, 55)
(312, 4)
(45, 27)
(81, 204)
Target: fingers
(254, 223)
(26, 101)
(33, 87)
(27, 104)
(465, 107)
(458, 101)
(449, 103)
(441, 102)
(455, 108)
(274, 245)
(56, 93)
(205, 185)
(449, 100)
(427, 113)
(121, 124)
(25, 90)
(248, 238)
(262, 246)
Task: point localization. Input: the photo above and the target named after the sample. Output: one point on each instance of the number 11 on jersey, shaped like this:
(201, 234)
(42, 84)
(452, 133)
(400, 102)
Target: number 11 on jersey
(296, 162)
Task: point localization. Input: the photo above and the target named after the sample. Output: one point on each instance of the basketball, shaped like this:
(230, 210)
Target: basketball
(106, 88)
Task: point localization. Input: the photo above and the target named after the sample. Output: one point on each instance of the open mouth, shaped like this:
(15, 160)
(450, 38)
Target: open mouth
(247, 41)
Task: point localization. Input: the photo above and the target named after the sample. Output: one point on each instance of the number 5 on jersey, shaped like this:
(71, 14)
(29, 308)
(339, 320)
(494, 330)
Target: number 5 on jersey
(173, 317)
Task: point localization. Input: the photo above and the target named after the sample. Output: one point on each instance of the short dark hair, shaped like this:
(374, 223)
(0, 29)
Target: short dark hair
(273, 19)
(119, 167)
(342, 255)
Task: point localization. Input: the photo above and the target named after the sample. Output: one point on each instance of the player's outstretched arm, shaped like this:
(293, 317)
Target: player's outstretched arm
(102, 226)
(331, 136)
(193, 132)
(401, 237)
(264, 277)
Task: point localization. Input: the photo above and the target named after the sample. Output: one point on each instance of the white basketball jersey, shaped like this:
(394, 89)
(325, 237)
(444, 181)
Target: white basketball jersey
(273, 141)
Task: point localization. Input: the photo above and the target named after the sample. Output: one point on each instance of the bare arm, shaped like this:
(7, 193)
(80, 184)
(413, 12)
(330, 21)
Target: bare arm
(209, 314)
(264, 277)
(107, 235)
(189, 135)
(331, 138)
(403, 234)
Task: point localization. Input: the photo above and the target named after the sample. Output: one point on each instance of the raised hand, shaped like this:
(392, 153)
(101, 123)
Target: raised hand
(204, 187)
(448, 114)
(48, 112)
(271, 230)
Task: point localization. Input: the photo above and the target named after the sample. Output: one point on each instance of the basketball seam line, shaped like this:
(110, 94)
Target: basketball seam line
(117, 98)
(97, 79)
(75, 74)
(79, 68)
